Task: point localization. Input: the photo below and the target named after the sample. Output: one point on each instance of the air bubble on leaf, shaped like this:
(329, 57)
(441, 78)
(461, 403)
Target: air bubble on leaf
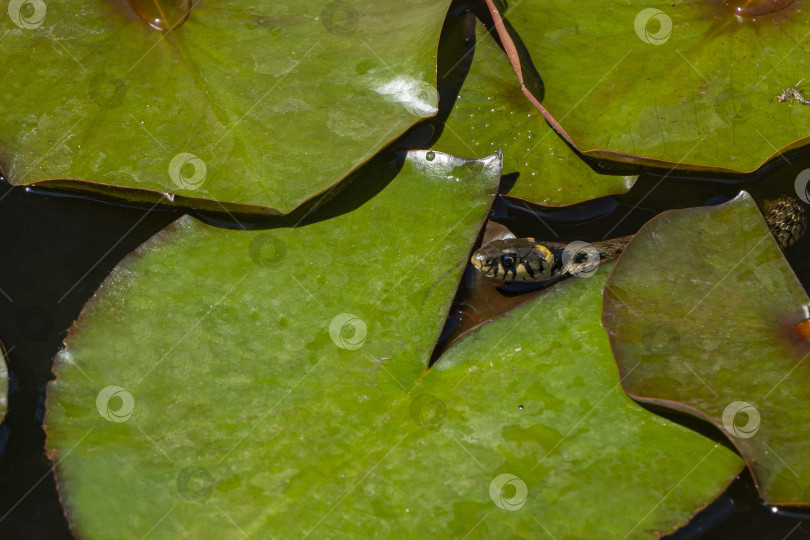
(756, 8)
(162, 14)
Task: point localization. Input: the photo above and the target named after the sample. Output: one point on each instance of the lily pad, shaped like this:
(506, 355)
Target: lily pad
(3, 384)
(255, 368)
(491, 112)
(263, 105)
(701, 311)
(661, 83)
(536, 395)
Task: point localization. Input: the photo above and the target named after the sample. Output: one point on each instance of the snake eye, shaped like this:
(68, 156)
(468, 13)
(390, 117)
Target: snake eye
(508, 261)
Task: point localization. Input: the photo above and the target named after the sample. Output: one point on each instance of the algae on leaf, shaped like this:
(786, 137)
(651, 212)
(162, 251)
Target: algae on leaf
(262, 104)
(701, 311)
(691, 83)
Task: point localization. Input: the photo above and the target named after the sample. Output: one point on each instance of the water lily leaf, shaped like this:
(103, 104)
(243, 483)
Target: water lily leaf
(253, 369)
(3, 384)
(224, 108)
(536, 395)
(701, 311)
(491, 112)
(658, 83)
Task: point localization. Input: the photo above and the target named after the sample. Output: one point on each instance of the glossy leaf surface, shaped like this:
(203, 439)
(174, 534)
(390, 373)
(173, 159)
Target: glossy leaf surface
(663, 83)
(247, 103)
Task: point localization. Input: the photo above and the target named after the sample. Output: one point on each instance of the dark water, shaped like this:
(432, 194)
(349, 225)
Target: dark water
(56, 250)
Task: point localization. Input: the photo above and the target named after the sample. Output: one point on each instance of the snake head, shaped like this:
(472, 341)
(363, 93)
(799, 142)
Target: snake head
(485, 263)
(514, 259)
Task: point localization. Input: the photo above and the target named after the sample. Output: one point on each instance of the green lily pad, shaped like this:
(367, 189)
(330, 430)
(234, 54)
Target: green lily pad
(491, 112)
(255, 368)
(661, 83)
(247, 103)
(3, 384)
(536, 395)
(701, 311)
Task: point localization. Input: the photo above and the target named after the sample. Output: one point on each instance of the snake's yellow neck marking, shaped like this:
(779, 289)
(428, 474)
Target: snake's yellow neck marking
(515, 259)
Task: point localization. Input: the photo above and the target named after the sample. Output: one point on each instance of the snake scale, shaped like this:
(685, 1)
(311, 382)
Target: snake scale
(525, 259)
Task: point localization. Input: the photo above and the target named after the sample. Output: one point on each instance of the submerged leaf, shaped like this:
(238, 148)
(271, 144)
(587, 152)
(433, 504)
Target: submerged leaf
(659, 82)
(248, 103)
(491, 112)
(702, 311)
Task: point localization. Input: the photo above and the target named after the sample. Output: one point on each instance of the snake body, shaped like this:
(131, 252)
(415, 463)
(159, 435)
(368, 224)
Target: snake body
(525, 259)
(787, 219)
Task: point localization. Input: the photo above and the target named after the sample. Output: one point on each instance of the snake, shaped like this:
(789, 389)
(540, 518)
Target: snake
(526, 259)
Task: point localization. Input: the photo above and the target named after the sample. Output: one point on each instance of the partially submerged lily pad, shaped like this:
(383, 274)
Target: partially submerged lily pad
(658, 83)
(247, 103)
(491, 112)
(701, 311)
